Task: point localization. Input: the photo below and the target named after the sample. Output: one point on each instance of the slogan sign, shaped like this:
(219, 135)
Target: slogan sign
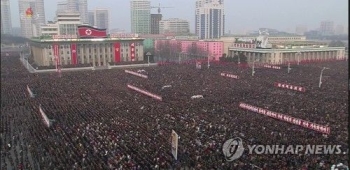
(124, 35)
(117, 52)
(285, 118)
(56, 54)
(145, 92)
(290, 87)
(229, 75)
(174, 143)
(64, 36)
(74, 59)
(136, 74)
(45, 118)
(272, 67)
(132, 51)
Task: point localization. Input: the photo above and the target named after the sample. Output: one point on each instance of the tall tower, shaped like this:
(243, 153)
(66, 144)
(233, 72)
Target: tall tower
(155, 19)
(101, 19)
(80, 6)
(210, 19)
(6, 23)
(140, 16)
(28, 24)
(327, 27)
(40, 11)
(91, 18)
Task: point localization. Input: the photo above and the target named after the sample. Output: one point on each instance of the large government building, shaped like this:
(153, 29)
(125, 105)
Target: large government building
(262, 51)
(91, 46)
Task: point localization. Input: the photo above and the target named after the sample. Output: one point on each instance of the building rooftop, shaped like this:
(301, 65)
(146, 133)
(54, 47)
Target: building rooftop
(50, 39)
(307, 49)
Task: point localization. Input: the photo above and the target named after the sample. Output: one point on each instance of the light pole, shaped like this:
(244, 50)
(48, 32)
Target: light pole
(320, 83)
(289, 67)
(148, 60)
(298, 54)
(148, 54)
(208, 63)
(253, 68)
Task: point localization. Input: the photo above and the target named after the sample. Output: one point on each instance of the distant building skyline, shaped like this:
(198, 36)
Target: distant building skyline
(174, 26)
(30, 24)
(327, 27)
(236, 22)
(155, 19)
(91, 17)
(80, 6)
(210, 19)
(339, 30)
(101, 18)
(140, 16)
(300, 29)
(6, 22)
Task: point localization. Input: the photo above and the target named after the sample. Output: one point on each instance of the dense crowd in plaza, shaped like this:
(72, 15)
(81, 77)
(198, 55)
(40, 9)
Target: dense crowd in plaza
(98, 123)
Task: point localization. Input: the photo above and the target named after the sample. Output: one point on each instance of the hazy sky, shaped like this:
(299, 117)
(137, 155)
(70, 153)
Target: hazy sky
(241, 15)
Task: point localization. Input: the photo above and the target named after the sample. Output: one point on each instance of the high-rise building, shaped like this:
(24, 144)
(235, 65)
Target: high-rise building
(102, 19)
(174, 26)
(27, 23)
(339, 30)
(80, 6)
(6, 23)
(327, 28)
(40, 11)
(68, 23)
(210, 19)
(140, 16)
(30, 24)
(300, 29)
(155, 18)
(91, 18)
(62, 7)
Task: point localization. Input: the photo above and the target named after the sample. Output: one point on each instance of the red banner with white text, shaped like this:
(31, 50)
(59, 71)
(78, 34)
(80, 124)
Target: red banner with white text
(285, 118)
(157, 97)
(132, 51)
(290, 87)
(56, 54)
(73, 48)
(117, 52)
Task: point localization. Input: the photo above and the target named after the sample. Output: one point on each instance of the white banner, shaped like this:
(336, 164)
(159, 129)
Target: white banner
(45, 118)
(286, 118)
(145, 92)
(136, 74)
(229, 75)
(273, 67)
(174, 143)
(290, 87)
(31, 94)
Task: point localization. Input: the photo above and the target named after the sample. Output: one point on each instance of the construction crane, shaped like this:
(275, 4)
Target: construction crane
(159, 7)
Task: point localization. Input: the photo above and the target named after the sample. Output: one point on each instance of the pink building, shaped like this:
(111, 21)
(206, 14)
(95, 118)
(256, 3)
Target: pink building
(200, 48)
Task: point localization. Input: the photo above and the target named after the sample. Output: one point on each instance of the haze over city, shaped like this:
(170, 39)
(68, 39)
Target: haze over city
(241, 16)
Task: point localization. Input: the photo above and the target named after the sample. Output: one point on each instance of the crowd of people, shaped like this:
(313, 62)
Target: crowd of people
(98, 123)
